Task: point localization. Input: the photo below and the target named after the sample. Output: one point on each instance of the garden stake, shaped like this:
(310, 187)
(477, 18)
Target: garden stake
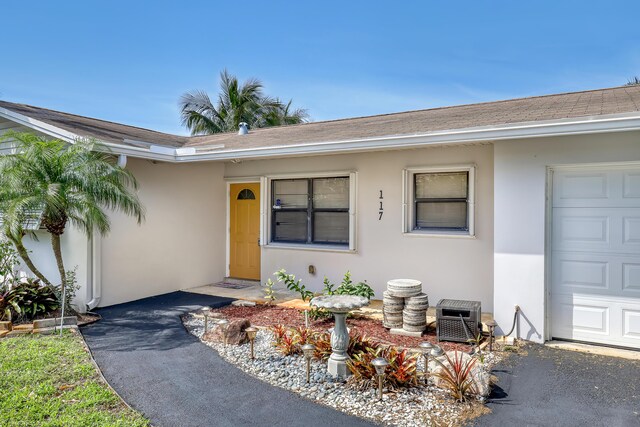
(64, 297)
(251, 334)
(492, 327)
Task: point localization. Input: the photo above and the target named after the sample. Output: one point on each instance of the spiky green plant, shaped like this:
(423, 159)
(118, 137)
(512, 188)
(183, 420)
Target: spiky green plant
(456, 375)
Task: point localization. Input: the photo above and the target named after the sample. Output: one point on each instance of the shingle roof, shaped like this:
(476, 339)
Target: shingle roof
(103, 130)
(625, 99)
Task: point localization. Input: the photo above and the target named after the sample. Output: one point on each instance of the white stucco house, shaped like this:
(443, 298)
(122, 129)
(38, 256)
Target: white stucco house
(532, 202)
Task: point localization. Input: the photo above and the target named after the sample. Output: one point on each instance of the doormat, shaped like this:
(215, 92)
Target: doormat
(228, 285)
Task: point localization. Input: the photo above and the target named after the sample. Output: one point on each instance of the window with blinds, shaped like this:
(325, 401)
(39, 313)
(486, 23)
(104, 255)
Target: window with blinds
(313, 210)
(441, 201)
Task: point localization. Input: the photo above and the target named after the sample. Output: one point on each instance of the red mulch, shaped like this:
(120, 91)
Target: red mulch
(264, 315)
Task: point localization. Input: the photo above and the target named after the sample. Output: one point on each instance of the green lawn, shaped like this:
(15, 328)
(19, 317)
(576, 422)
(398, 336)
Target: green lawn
(50, 381)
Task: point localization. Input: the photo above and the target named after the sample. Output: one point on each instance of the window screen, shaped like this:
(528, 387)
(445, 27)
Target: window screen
(441, 201)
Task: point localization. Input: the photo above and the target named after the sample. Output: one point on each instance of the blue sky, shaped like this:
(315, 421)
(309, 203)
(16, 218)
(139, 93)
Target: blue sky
(129, 61)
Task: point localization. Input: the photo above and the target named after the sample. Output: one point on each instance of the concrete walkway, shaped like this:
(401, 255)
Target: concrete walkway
(158, 368)
(553, 387)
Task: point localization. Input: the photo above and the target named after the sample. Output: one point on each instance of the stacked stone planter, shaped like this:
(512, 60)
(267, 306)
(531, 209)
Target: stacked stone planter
(392, 308)
(404, 307)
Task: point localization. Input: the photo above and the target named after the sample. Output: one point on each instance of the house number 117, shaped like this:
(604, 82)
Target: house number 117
(381, 211)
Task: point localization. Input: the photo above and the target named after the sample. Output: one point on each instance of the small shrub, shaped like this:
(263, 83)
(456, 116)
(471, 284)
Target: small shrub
(293, 285)
(71, 288)
(269, 293)
(8, 264)
(347, 287)
(457, 376)
(32, 299)
(319, 313)
(328, 288)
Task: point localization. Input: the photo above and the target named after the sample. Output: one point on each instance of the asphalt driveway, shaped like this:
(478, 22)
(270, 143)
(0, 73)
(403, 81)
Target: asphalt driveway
(169, 375)
(552, 387)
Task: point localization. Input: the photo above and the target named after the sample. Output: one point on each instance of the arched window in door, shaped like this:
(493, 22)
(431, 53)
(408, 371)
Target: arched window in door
(246, 194)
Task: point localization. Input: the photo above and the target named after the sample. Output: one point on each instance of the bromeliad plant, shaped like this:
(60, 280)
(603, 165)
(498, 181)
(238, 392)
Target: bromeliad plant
(279, 331)
(401, 371)
(456, 375)
(29, 299)
(289, 341)
(304, 335)
(289, 344)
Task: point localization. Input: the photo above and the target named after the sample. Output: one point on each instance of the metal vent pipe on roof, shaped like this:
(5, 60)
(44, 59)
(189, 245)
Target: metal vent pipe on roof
(244, 128)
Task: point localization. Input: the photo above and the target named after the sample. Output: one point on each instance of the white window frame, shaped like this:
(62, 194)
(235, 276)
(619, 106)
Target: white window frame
(408, 198)
(268, 212)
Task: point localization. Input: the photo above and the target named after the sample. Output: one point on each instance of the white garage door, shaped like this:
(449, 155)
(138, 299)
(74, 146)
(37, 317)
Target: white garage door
(595, 256)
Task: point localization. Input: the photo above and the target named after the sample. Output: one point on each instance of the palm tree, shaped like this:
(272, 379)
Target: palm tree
(284, 115)
(236, 103)
(633, 81)
(58, 185)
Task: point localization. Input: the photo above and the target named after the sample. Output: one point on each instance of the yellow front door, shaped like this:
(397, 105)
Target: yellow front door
(244, 245)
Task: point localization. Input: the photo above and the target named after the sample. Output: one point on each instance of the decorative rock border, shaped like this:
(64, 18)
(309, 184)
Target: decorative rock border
(417, 406)
(39, 326)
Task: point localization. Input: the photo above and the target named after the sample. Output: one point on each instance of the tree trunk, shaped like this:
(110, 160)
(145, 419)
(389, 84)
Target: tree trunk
(24, 255)
(57, 251)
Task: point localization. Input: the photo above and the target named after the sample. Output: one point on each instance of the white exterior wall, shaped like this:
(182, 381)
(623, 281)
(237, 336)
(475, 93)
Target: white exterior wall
(520, 217)
(181, 244)
(74, 254)
(449, 267)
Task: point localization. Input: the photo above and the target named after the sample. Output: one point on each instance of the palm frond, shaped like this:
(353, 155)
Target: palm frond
(236, 103)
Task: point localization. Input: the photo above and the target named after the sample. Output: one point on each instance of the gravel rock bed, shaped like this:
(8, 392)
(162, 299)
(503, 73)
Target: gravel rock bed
(417, 406)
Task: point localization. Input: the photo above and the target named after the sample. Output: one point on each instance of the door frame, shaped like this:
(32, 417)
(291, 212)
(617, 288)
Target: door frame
(550, 173)
(244, 180)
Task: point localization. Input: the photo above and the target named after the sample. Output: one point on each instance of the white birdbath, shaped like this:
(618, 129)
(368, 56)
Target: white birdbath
(339, 305)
